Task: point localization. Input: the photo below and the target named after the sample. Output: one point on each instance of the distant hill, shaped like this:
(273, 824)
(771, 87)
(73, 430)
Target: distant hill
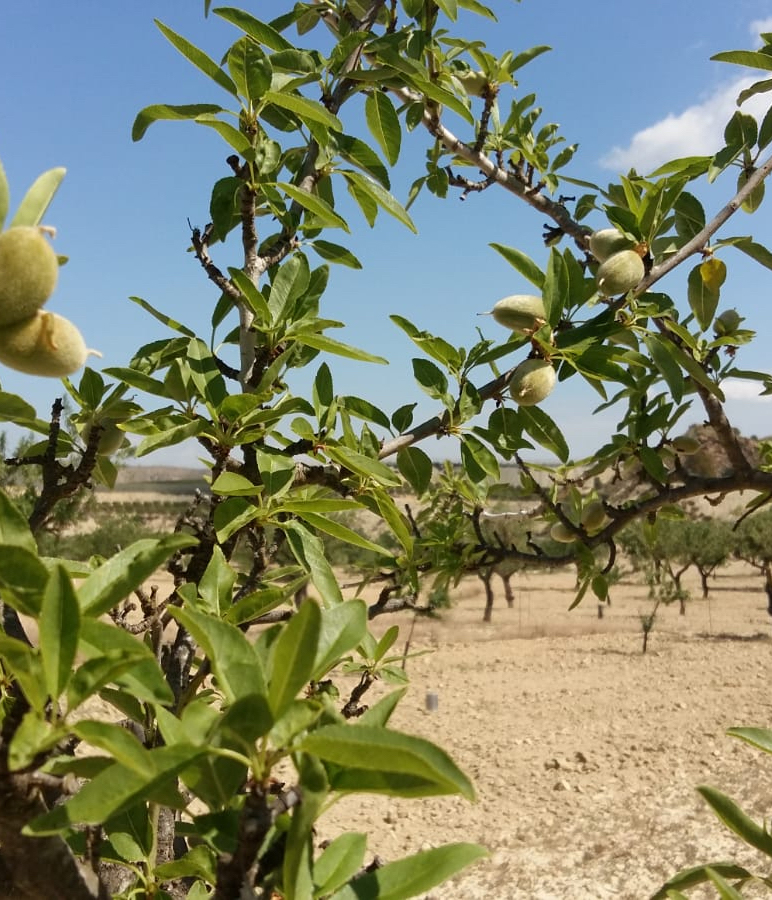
(132, 475)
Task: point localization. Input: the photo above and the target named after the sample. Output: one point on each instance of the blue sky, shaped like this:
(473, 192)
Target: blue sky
(75, 75)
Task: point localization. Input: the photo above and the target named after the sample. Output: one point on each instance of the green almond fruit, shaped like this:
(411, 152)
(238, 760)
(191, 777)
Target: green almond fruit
(593, 515)
(560, 533)
(532, 381)
(727, 323)
(606, 242)
(523, 313)
(685, 444)
(620, 273)
(111, 438)
(29, 270)
(45, 344)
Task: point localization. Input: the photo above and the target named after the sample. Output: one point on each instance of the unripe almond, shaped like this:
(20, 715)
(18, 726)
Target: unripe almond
(532, 381)
(607, 242)
(560, 533)
(593, 515)
(29, 270)
(44, 344)
(620, 273)
(685, 444)
(727, 323)
(474, 83)
(523, 313)
(111, 438)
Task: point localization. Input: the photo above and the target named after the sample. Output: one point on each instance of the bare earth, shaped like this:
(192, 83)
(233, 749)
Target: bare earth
(585, 753)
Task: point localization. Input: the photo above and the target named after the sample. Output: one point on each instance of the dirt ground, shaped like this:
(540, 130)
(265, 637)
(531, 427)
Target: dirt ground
(585, 753)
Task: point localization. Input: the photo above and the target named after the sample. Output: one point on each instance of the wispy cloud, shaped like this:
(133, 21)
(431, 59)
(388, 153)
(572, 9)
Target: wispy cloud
(697, 131)
(758, 26)
(743, 390)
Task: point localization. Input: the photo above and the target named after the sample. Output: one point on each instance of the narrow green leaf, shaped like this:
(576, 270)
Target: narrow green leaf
(478, 461)
(59, 626)
(380, 752)
(115, 579)
(544, 431)
(338, 348)
(216, 586)
(165, 111)
(526, 56)
(413, 875)
(341, 859)
(118, 788)
(37, 199)
(15, 409)
(14, 528)
(336, 254)
(293, 657)
(381, 196)
(761, 738)
(233, 659)
(199, 59)
(342, 533)
(756, 251)
(383, 122)
(315, 205)
(753, 59)
(691, 877)
(736, 820)
(669, 369)
(27, 670)
(174, 435)
(23, 577)
(308, 550)
(231, 484)
(341, 630)
(725, 890)
(34, 736)
(162, 317)
(307, 110)
(363, 465)
(262, 33)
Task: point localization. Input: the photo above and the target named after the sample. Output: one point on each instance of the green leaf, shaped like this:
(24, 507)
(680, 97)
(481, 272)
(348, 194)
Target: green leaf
(37, 199)
(413, 875)
(199, 59)
(383, 122)
(753, 59)
(162, 317)
(761, 738)
(319, 208)
(736, 820)
(688, 878)
(725, 890)
(14, 528)
(336, 254)
(145, 680)
(34, 736)
(384, 761)
(526, 56)
(27, 670)
(293, 657)
(216, 586)
(381, 196)
(231, 484)
(251, 70)
(661, 356)
(363, 465)
(309, 551)
(118, 788)
(338, 348)
(307, 110)
(756, 251)
(262, 33)
(171, 436)
(165, 111)
(342, 532)
(15, 409)
(23, 577)
(115, 580)
(342, 628)
(59, 626)
(416, 468)
(544, 431)
(341, 859)
(478, 461)
(233, 659)
(522, 263)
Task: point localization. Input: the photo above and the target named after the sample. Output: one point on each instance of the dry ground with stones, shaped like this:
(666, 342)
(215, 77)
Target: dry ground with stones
(585, 753)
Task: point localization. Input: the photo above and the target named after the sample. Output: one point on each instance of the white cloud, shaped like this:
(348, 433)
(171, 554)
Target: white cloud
(743, 390)
(758, 26)
(697, 131)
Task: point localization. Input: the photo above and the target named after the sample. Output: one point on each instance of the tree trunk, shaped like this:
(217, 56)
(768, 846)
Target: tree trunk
(485, 577)
(508, 593)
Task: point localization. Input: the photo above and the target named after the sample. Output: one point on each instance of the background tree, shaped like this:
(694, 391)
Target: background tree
(211, 713)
